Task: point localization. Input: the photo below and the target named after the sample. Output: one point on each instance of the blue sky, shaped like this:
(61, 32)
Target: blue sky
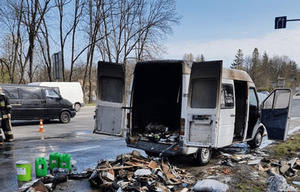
(218, 28)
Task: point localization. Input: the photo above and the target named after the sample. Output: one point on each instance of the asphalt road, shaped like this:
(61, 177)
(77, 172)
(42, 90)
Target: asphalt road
(75, 138)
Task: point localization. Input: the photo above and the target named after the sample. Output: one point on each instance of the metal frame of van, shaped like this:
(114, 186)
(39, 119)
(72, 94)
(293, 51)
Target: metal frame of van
(178, 109)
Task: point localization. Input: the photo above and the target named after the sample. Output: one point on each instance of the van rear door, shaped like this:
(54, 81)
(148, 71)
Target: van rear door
(276, 113)
(203, 104)
(110, 98)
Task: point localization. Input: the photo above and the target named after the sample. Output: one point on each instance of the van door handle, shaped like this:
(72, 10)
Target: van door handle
(43, 101)
(232, 115)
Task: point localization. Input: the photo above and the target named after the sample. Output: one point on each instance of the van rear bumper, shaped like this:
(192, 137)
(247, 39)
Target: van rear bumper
(163, 149)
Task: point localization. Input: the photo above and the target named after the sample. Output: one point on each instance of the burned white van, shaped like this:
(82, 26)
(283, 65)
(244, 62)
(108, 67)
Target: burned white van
(175, 109)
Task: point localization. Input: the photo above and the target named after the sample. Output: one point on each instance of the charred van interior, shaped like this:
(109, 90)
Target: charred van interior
(156, 102)
(240, 109)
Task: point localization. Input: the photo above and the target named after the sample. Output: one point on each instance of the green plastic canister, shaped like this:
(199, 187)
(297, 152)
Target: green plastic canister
(54, 160)
(40, 166)
(65, 161)
(23, 170)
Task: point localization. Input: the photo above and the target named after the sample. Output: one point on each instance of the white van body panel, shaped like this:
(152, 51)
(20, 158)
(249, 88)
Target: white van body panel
(225, 133)
(109, 114)
(68, 90)
(203, 104)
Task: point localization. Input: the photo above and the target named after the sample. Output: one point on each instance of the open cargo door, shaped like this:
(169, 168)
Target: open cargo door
(203, 104)
(276, 113)
(110, 98)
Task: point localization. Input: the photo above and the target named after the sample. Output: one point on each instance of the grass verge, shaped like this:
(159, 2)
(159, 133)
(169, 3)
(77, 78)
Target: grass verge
(290, 148)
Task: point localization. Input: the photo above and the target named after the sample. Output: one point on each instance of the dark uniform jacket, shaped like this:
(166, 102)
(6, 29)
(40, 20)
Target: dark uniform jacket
(5, 107)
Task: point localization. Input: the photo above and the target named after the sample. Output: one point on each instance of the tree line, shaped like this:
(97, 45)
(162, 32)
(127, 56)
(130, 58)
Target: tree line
(81, 32)
(266, 72)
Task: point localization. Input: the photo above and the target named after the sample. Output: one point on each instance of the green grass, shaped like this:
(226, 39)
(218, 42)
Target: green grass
(290, 148)
(247, 185)
(90, 104)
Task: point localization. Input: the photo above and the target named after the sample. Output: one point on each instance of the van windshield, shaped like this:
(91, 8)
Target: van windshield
(204, 93)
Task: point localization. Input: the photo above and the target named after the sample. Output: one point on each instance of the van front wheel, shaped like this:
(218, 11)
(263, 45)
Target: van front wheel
(65, 117)
(77, 107)
(203, 156)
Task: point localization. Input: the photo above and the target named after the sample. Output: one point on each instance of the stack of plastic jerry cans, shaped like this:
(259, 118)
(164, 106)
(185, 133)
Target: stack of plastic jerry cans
(58, 160)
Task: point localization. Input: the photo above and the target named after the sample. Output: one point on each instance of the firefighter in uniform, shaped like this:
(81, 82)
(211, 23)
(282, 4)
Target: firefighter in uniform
(5, 111)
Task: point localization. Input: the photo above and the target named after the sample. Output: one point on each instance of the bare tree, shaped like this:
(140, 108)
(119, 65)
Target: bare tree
(78, 11)
(200, 58)
(63, 35)
(44, 43)
(136, 26)
(10, 16)
(32, 15)
(156, 25)
(188, 57)
(95, 18)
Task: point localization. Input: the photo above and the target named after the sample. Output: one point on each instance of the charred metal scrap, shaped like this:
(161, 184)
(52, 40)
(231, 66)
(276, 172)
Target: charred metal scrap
(127, 173)
(133, 172)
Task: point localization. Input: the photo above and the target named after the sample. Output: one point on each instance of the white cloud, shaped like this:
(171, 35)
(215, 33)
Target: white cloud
(278, 43)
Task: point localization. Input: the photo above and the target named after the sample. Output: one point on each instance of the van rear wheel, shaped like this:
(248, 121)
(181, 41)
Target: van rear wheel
(203, 156)
(65, 117)
(257, 140)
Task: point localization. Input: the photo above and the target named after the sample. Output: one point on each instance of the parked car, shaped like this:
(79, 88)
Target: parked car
(175, 109)
(68, 90)
(37, 102)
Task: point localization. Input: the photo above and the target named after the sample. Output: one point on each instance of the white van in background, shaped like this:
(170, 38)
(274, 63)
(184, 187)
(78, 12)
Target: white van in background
(68, 90)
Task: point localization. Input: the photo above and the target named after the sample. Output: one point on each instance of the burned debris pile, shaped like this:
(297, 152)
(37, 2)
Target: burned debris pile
(278, 172)
(133, 172)
(157, 133)
(128, 172)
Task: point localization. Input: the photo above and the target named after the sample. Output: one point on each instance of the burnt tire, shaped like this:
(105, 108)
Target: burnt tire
(65, 117)
(203, 156)
(257, 140)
